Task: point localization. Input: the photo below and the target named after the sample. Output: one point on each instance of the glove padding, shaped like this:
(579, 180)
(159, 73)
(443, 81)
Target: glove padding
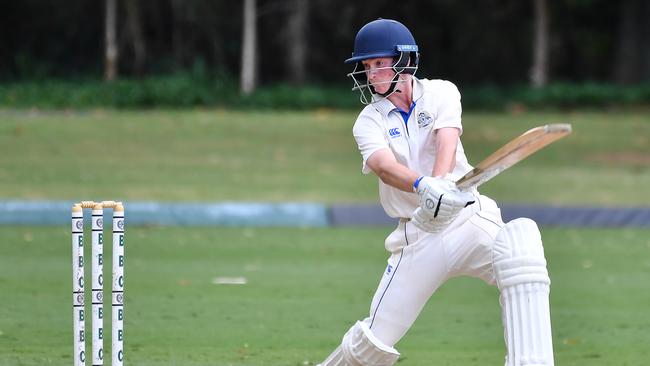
(440, 202)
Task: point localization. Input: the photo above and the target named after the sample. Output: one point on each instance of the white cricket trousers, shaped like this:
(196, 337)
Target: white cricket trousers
(420, 262)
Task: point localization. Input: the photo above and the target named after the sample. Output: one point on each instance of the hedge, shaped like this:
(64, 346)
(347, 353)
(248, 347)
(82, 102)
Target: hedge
(188, 90)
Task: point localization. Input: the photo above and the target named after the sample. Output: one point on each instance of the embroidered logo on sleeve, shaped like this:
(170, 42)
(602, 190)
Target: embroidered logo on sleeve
(424, 119)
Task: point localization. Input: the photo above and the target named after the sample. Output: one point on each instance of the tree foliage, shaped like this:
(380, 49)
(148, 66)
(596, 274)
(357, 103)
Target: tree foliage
(476, 42)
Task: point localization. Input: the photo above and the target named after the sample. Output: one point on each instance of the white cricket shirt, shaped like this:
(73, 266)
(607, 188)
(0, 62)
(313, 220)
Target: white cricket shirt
(380, 125)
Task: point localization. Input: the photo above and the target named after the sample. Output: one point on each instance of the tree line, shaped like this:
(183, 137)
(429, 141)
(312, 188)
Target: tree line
(476, 42)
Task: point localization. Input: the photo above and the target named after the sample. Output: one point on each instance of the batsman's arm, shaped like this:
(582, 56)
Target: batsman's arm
(390, 171)
(446, 143)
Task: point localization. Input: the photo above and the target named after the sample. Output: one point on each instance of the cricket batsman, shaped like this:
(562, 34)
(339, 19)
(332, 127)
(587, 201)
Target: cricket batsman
(409, 136)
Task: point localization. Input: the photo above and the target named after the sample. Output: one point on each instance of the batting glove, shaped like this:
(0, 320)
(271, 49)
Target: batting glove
(440, 203)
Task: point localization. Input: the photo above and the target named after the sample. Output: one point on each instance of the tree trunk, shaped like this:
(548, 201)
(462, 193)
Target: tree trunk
(297, 41)
(626, 69)
(178, 39)
(214, 35)
(539, 69)
(645, 43)
(110, 64)
(248, 81)
(135, 30)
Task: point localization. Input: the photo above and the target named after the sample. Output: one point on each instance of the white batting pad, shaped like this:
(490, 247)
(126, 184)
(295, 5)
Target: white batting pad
(520, 270)
(335, 359)
(361, 348)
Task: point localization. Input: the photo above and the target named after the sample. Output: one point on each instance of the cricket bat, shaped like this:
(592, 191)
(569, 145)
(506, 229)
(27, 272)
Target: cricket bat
(512, 153)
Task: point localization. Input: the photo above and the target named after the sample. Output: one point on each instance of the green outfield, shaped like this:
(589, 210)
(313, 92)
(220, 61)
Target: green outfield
(305, 287)
(306, 156)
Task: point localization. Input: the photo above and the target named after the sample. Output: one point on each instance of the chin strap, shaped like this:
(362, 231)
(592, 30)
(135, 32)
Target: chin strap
(391, 89)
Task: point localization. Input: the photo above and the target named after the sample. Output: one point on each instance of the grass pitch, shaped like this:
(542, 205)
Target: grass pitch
(304, 288)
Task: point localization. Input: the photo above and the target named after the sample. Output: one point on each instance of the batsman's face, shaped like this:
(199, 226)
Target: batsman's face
(379, 72)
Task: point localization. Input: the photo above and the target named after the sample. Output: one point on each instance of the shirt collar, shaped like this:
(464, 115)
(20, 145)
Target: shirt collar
(385, 106)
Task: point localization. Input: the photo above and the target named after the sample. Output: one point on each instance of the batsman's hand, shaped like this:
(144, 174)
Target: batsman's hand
(440, 203)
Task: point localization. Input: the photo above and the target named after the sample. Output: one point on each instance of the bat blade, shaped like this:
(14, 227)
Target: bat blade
(512, 153)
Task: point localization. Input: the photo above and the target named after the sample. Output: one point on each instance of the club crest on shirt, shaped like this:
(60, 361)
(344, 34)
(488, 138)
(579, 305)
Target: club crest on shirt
(424, 119)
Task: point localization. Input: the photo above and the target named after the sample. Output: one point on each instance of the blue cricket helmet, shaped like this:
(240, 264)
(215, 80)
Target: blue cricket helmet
(382, 38)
